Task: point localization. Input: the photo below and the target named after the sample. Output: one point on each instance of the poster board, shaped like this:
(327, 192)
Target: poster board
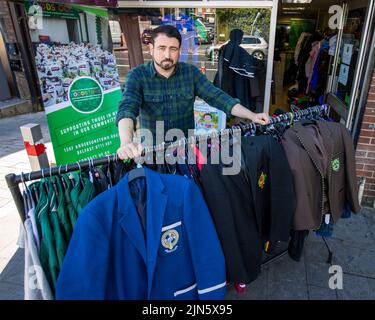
(207, 119)
(78, 80)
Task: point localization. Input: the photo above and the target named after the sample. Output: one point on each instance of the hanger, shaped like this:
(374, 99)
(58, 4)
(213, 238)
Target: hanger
(138, 172)
(63, 183)
(109, 175)
(80, 181)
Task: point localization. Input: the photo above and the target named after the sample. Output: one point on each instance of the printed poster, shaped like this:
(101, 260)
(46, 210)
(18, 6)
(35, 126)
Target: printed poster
(343, 75)
(347, 53)
(78, 80)
(208, 119)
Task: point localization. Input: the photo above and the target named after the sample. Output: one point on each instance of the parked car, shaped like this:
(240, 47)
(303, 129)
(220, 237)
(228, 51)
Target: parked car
(256, 46)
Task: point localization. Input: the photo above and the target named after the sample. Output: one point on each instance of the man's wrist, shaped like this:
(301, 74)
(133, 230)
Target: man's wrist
(251, 116)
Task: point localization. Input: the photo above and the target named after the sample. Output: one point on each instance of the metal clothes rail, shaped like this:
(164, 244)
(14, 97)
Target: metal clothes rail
(13, 180)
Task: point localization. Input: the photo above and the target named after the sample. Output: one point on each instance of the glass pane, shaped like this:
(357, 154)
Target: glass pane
(348, 54)
(204, 32)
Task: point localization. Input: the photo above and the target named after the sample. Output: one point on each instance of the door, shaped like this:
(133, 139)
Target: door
(4, 88)
(348, 62)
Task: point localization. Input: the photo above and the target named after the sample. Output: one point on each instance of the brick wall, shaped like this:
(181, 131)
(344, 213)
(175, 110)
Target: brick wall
(365, 153)
(7, 24)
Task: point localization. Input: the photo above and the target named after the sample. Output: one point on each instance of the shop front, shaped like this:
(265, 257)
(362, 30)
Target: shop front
(322, 52)
(205, 27)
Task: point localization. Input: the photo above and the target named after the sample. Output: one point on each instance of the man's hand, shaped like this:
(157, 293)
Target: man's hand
(240, 111)
(130, 150)
(261, 118)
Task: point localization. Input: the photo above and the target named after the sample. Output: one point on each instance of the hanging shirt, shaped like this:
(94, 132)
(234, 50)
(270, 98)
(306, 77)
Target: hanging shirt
(62, 211)
(36, 286)
(58, 235)
(48, 257)
(72, 214)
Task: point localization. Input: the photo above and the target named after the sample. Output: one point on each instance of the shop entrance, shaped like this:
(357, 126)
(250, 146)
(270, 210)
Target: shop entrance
(6, 80)
(316, 61)
(205, 27)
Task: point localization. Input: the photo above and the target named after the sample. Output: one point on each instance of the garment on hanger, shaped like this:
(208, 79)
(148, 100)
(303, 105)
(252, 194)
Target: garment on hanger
(48, 256)
(312, 180)
(55, 223)
(236, 71)
(250, 207)
(180, 257)
(36, 286)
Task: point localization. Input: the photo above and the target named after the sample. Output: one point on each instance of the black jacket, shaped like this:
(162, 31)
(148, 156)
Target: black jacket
(237, 72)
(252, 206)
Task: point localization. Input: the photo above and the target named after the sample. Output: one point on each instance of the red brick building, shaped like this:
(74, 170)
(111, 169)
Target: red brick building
(365, 152)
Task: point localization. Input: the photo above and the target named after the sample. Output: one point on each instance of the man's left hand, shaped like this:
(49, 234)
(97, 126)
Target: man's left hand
(261, 118)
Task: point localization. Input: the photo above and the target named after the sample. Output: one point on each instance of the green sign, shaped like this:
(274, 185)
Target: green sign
(86, 95)
(51, 10)
(78, 135)
(80, 87)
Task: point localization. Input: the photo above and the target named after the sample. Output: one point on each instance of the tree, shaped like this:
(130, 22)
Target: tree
(243, 19)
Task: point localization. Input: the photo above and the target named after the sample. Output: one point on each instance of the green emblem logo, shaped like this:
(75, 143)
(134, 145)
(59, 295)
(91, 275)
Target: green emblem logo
(336, 164)
(85, 95)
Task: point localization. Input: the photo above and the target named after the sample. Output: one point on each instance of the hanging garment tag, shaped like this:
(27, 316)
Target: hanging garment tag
(327, 218)
(91, 177)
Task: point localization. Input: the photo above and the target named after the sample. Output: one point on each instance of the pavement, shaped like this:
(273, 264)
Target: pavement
(353, 243)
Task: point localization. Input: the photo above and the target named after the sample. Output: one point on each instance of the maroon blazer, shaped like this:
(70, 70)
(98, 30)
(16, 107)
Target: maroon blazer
(333, 170)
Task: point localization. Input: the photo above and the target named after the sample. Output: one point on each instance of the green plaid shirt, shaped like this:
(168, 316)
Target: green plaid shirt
(155, 98)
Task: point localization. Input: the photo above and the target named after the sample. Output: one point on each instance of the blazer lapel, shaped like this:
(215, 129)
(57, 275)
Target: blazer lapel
(156, 205)
(307, 143)
(327, 140)
(129, 219)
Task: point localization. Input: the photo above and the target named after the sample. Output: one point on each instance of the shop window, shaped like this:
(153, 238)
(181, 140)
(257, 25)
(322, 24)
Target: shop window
(348, 55)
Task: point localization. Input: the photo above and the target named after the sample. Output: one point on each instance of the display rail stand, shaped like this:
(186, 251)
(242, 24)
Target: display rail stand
(14, 180)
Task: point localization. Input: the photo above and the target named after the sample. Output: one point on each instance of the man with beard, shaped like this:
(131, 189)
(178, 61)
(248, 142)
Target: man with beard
(165, 90)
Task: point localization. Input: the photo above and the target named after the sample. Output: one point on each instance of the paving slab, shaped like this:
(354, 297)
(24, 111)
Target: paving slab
(355, 231)
(369, 215)
(354, 260)
(319, 293)
(14, 271)
(11, 291)
(357, 288)
(256, 290)
(287, 279)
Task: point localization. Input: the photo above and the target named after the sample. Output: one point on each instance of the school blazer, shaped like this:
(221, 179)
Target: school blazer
(250, 207)
(178, 256)
(309, 177)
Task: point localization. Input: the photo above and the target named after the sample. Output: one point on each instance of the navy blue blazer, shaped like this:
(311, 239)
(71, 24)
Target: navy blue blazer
(178, 257)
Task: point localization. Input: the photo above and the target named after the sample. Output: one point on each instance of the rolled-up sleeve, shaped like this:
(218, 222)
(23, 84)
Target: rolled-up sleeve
(214, 96)
(131, 99)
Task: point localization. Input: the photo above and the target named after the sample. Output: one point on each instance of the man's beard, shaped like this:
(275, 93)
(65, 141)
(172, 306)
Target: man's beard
(164, 66)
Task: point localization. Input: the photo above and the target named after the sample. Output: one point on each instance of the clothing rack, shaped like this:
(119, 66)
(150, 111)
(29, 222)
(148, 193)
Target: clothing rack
(14, 180)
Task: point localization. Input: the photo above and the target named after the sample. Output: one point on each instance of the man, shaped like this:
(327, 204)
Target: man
(165, 90)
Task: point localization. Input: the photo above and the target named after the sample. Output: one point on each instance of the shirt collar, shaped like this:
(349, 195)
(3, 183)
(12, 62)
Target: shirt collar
(154, 73)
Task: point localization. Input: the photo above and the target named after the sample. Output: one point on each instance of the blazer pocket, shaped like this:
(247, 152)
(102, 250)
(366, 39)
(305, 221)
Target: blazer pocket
(171, 239)
(188, 293)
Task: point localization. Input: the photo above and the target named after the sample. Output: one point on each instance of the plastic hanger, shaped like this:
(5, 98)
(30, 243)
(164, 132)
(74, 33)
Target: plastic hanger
(138, 172)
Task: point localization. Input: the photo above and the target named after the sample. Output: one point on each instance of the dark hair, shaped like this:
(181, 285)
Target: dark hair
(168, 30)
(207, 114)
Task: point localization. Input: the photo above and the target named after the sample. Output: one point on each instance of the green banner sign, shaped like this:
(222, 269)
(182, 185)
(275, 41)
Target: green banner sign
(51, 10)
(79, 132)
(80, 88)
